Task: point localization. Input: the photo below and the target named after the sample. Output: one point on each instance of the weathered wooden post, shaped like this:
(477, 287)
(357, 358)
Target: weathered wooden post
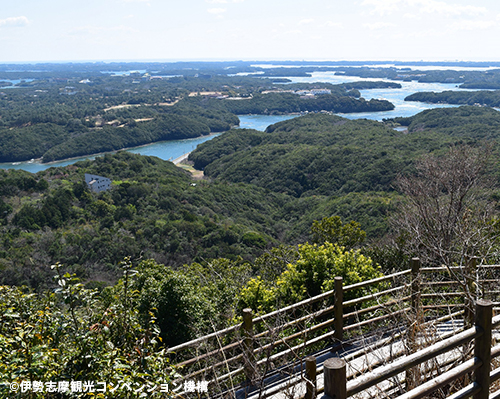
(470, 295)
(338, 311)
(413, 374)
(334, 370)
(248, 358)
(310, 377)
(416, 305)
(482, 347)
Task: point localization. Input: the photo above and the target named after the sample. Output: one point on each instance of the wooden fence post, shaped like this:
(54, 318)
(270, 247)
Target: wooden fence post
(248, 358)
(482, 347)
(334, 370)
(310, 377)
(338, 311)
(470, 278)
(416, 306)
(413, 374)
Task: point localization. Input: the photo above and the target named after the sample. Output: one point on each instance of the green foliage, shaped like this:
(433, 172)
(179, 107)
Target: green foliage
(485, 98)
(151, 211)
(280, 103)
(77, 334)
(329, 155)
(192, 301)
(332, 230)
(313, 272)
(318, 265)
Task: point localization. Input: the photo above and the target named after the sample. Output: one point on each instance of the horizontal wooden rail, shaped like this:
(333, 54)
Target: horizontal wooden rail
(297, 347)
(301, 333)
(366, 298)
(495, 395)
(467, 392)
(374, 308)
(495, 375)
(442, 380)
(314, 315)
(454, 268)
(399, 366)
(495, 351)
(197, 341)
(375, 280)
(208, 354)
(374, 320)
(297, 305)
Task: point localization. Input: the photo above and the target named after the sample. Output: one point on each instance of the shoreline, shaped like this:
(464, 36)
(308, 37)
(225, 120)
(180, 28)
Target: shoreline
(38, 161)
(183, 157)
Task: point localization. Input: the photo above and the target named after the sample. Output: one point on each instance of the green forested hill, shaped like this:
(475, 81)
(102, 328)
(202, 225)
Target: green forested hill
(283, 103)
(72, 115)
(263, 188)
(329, 155)
(154, 210)
(457, 122)
(490, 98)
(315, 154)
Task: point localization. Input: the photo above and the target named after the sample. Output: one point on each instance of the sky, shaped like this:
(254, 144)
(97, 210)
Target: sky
(316, 30)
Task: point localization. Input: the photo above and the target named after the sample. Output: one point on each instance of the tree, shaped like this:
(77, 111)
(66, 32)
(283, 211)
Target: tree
(332, 230)
(447, 214)
(312, 273)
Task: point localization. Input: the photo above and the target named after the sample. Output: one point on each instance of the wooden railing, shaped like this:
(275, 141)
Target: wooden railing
(335, 376)
(272, 347)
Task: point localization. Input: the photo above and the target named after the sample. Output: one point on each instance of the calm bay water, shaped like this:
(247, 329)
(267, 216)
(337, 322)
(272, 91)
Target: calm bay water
(167, 150)
(170, 150)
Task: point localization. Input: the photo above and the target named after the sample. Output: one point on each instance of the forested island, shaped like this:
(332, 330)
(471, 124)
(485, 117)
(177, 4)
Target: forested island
(64, 111)
(68, 113)
(486, 98)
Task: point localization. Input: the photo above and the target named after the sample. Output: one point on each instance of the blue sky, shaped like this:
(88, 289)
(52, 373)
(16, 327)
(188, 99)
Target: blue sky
(107, 30)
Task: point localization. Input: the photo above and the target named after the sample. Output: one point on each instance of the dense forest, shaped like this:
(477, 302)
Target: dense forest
(261, 189)
(69, 114)
(330, 155)
(483, 97)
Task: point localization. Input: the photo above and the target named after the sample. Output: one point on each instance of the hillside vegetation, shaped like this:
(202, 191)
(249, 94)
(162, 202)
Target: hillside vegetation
(483, 97)
(330, 155)
(162, 258)
(75, 113)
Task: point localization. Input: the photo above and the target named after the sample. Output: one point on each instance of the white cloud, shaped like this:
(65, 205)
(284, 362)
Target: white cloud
(412, 16)
(306, 21)
(98, 30)
(440, 7)
(14, 22)
(217, 11)
(331, 24)
(224, 1)
(472, 25)
(384, 7)
(378, 25)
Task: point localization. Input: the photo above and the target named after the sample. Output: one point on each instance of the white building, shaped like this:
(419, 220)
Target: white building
(97, 183)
